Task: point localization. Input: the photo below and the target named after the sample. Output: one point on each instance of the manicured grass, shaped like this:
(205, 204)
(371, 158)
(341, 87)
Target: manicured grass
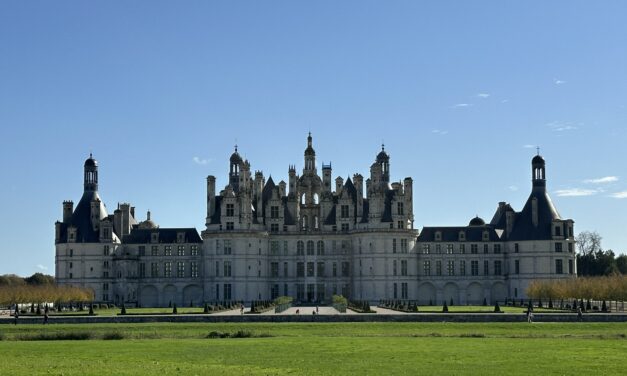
(324, 348)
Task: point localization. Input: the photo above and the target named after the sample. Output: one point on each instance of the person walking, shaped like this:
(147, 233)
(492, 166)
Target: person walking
(17, 314)
(579, 314)
(45, 318)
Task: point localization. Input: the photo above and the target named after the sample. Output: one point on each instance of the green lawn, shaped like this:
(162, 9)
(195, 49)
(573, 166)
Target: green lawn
(333, 349)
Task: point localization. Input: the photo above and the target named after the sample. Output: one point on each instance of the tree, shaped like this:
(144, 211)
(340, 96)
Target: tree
(621, 264)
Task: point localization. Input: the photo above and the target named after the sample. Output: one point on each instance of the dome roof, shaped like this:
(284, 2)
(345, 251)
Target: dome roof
(235, 157)
(383, 156)
(537, 160)
(476, 221)
(91, 162)
(148, 223)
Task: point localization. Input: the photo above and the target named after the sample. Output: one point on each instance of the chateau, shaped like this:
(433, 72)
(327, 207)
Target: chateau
(310, 238)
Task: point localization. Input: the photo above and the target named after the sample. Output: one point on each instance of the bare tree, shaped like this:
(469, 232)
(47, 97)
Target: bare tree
(588, 242)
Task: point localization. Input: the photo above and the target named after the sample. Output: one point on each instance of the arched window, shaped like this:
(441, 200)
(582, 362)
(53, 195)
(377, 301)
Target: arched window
(316, 224)
(316, 199)
(310, 248)
(305, 223)
(300, 248)
(320, 250)
(303, 199)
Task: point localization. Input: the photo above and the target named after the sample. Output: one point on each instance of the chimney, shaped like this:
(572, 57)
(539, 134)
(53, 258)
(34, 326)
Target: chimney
(68, 208)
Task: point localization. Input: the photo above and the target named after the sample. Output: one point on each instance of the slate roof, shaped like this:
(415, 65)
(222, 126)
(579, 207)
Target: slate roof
(81, 219)
(523, 225)
(166, 235)
(451, 234)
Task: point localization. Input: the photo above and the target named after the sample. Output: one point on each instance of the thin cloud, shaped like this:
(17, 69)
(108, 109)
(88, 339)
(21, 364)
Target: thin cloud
(529, 146)
(200, 161)
(504, 100)
(558, 81)
(576, 192)
(604, 180)
(439, 132)
(483, 95)
(560, 126)
(462, 105)
(41, 267)
(619, 195)
(513, 188)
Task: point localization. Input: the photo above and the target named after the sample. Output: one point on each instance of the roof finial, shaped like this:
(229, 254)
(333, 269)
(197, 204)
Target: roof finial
(538, 149)
(236, 148)
(382, 146)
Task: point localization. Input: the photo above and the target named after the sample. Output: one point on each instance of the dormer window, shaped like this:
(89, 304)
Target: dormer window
(462, 236)
(154, 237)
(180, 237)
(438, 236)
(558, 231)
(486, 236)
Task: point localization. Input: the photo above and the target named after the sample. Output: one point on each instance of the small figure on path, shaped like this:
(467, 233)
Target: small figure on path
(17, 314)
(317, 309)
(579, 314)
(241, 309)
(298, 311)
(313, 313)
(45, 318)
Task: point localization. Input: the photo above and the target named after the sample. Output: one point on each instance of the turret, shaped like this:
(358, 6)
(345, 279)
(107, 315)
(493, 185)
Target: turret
(211, 197)
(538, 172)
(310, 158)
(326, 178)
(339, 183)
(383, 160)
(293, 179)
(235, 166)
(282, 186)
(90, 180)
(358, 182)
(68, 209)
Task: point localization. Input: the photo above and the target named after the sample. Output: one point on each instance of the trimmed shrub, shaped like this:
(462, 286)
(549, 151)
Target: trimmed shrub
(123, 312)
(497, 308)
(113, 336)
(485, 302)
(174, 310)
(604, 307)
(444, 308)
(91, 310)
(588, 305)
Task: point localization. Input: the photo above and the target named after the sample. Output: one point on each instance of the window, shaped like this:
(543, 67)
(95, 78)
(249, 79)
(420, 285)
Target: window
(395, 291)
(285, 269)
(300, 291)
(142, 270)
(335, 269)
(345, 269)
(558, 231)
(344, 211)
(427, 267)
(230, 227)
(180, 269)
(300, 248)
(449, 249)
(194, 250)
(194, 269)
(474, 267)
(274, 248)
(558, 247)
(438, 248)
(168, 250)
(438, 267)
(399, 208)
(105, 264)
(404, 267)
(393, 245)
(310, 269)
(227, 247)
(400, 225)
(154, 250)
(497, 248)
(404, 290)
(516, 266)
(474, 249)
(486, 248)
(516, 248)
(344, 227)
(274, 212)
(486, 267)
(310, 248)
(394, 272)
(404, 247)
(497, 267)
(426, 249)
(154, 270)
(217, 268)
(570, 247)
(142, 250)
(274, 227)
(106, 250)
(462, 267)
(227, 291)
(300, 269)
(320, 248)
(450, 267)
(570, 266)
(320, 269)
(227, 268)
(181, 250)
(230, 210)
(274, 269)
(462, 248)
(167, 269)
(559, 267)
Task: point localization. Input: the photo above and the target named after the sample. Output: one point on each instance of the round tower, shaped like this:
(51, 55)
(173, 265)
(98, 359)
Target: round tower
(91, 174)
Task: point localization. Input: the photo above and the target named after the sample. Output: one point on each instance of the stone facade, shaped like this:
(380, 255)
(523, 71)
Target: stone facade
(309, 239)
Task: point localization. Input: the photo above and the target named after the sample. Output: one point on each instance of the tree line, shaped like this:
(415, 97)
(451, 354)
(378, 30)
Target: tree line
(592, 260)
(39, 289)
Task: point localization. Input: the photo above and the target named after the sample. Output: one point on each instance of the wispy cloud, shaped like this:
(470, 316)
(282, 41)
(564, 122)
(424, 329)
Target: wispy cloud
(462, 105)
(504, 100)
(576, 192)
(41, 267)
(529, 146)
(604, 180)
(560, 126)
(483, 95)
(619, 195)
(558, 81)
(439, 132)
(201, 161)
(513, 188)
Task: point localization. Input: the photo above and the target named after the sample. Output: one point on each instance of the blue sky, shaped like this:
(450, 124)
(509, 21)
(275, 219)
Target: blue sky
(460, 92)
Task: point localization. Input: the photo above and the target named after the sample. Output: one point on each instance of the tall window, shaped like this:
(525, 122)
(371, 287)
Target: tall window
(194, 250)
(274, 248)
(274, 212)
(474, 267)
(344, 211)
(462, 267)
(393, 245)
(227, 291)
(300, 248)
(516, 266)
(335, 269)
(426, 249)
(230, 210)
(462, 248)
(399, 208)
(300, 269)
(227, 247)
(167, 269)
(180, 269)
(558, 247)
(310, 269)
(394, 267)
(497, 267)
(194, 269)
(274, 269)
(320, 269)
(310, 248)
(403, 267)
(344, 227)
(181, 250)
(449, 249)
(142, 270)
(450, 267)
(438, 267)
(227, 268)
(486, 267)
(154, 270)
(427, 267)
(474, 249)
(497, 248)
(274, 227)
(320, 248)
(570, 266)
(345, 269)
(154, 250)
(404, 247)
(559, 266)
(404, 290)
(168, 250)
(230, 226)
